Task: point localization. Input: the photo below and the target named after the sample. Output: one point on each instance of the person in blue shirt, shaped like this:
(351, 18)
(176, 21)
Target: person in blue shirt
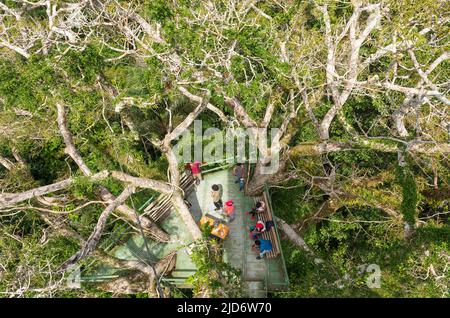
(264, 246)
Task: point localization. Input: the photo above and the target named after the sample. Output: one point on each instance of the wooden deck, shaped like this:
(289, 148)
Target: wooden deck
(258, 276)
(238, 243)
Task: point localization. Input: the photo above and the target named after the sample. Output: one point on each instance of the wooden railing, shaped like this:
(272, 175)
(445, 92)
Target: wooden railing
(285, 283)
(271, 234)
(160, 208)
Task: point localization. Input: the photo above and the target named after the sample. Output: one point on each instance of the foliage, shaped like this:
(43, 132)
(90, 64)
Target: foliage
(350, 247)
(213, 277)
(267, 53)
(409, 192)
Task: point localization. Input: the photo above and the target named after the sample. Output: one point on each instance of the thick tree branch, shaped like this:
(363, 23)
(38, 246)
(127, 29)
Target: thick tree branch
(198, 99)
(5, 162)
(94, 238)
(297, 239)
(240, 112)
(187, 122)
(127, 212)
(10, 199)
(159, 186)
(70, 149)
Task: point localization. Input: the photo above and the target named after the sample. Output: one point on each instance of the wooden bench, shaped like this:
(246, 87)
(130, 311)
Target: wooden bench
(271, 234)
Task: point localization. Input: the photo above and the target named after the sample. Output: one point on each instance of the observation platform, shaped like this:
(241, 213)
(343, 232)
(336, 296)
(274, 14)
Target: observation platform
(258, 276)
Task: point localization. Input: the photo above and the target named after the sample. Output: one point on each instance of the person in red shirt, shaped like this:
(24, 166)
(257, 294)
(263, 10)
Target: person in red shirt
(229, 210)
(196, 171)
(257, 230)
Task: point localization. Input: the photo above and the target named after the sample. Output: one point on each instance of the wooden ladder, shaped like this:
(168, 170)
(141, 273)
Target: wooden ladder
(159, 209)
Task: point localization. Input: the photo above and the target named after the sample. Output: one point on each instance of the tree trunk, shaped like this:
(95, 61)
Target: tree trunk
(296, 239)
(258, 180)
(186, 216)
(177, 195)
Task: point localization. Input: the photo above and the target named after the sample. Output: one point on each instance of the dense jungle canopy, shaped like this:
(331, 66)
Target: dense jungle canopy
(95, 94)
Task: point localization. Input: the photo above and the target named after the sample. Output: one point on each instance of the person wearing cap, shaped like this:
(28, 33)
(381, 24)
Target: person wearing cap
(229, 210)
(257, 230)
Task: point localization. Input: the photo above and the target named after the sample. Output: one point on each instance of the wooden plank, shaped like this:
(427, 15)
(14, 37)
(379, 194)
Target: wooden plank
(268, 235)
(156, 216)
(277, 244)
(156, 210)
(159, 208)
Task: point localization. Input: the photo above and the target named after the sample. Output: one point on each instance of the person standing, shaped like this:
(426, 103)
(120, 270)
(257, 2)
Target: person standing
(229, 210)
(216, 195)
(239, 172)
(196, 171)
(187, 168)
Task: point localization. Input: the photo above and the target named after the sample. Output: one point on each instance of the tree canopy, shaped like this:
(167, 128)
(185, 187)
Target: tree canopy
(94, 96)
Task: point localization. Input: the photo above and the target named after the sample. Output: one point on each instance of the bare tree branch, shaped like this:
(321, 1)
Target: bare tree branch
(94, 238)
